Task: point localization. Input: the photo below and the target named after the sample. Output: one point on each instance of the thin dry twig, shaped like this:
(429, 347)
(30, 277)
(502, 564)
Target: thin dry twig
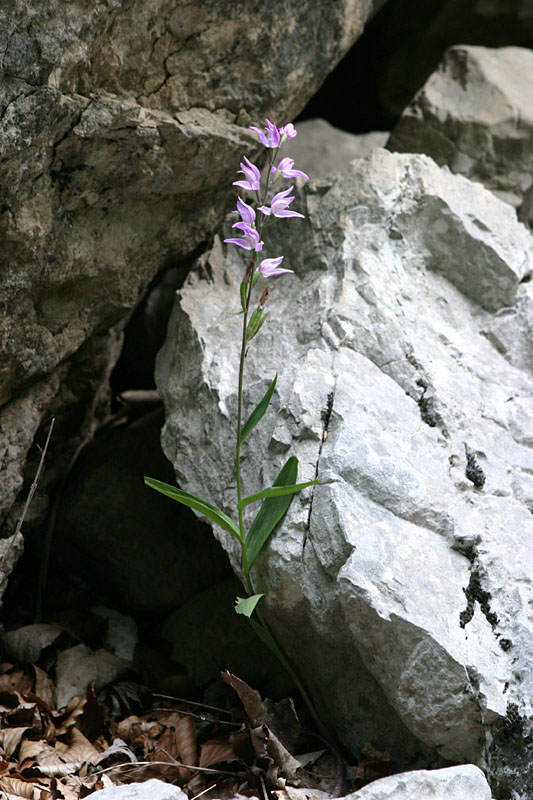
(202, 717)
(172, 763)
(196, 796)
(190, 702)
(33, 488)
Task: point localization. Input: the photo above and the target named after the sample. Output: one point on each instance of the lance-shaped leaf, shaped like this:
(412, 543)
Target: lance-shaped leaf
(276, 491)
(271, 512)
(246, 605)
(196, 503)
(259, 411)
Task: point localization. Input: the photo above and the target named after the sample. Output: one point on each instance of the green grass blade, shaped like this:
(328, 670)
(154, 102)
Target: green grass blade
(276, 491)
(271, 512)
(196, 503)
(259, 411)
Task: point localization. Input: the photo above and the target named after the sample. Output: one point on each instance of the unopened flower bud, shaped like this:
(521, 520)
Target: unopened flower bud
(264, 296)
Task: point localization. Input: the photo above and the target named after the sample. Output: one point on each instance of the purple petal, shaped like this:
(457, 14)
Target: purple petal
(260, 134)
(281, 195)
(288, 130)
(273, 133)
(252, 187)
(252, 168)
(287, 213)
(239, 243)
(246, 212)
(270, 267)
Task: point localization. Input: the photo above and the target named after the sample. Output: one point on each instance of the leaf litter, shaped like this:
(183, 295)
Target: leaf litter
(75, 720)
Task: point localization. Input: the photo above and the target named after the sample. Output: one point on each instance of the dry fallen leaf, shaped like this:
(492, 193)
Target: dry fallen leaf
(372, 764)
(43, 686)
(15, 787)
(281, 718)
(216, 752)
(78, 667)
(15, 681)
(10, 738)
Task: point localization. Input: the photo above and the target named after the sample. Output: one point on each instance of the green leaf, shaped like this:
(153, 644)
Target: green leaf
(259, 411)
(190, 500)
(246, 605)
(275, 491)
(244, 293)
(271, 512)
(260, 324)
(253, 324)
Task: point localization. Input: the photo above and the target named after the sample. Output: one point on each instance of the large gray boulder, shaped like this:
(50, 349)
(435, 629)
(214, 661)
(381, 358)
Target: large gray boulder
(474, 114)
(120, 128)
(401, 584)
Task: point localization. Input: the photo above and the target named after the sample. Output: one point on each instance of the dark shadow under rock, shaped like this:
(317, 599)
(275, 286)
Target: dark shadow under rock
(140, 550)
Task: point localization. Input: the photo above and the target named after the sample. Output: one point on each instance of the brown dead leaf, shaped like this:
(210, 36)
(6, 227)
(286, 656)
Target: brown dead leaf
(130, 728)
(30, 750)
(186, 741)
(90, 716)
(20, 788)
(26, 713)
(10, 738)
(268, 746)
(67, 718)
(61, 791)
(65, 758)
(250, 698)
(43, 686)
(281, 718)
(216, 752)
(372, 764)
(78, 667)
(15, 680)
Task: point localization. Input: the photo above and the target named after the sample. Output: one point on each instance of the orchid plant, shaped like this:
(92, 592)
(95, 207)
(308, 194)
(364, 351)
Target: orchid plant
(266, 205)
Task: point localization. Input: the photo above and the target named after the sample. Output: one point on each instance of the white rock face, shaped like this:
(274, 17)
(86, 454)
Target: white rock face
(454, 783)
(402, 584)
(149, 790)
(321, 149)
(474, 114)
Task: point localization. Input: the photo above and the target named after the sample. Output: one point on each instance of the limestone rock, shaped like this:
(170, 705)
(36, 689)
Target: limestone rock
(321, 149)
(401, 584)
(120, 132)
(474, 114)
(466, 782)
(148, 790)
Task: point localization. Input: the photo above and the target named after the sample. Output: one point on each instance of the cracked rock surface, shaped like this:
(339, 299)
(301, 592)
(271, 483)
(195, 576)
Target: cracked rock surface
(400, 585)
(120, 129)
(474, 114)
